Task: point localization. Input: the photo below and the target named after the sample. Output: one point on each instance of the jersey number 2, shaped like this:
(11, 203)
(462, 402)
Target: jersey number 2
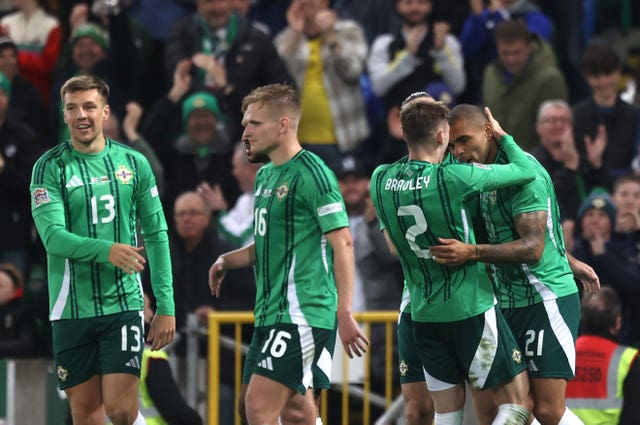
(417, 229)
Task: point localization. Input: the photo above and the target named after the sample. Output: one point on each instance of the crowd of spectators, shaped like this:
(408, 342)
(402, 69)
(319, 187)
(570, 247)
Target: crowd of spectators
(560, 76)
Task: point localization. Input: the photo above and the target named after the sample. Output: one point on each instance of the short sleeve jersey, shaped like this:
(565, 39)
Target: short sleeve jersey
(418, 202)
(296, 204)
(95, 196)
(522, 285)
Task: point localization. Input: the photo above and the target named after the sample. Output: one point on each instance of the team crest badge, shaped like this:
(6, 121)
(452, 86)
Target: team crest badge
(124, 174)
(40, 196)
(516, 355)
(282, 191)
(404, 368)
(63, 374)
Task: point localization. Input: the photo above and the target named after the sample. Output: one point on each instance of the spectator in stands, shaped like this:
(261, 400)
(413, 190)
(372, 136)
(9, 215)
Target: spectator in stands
(606, 389)
(610, 258)
(419, 53)
(107, 55)
(573, 176)
(478, 34)
(601, 68)
(193, 245)
(231, 56)
(191, 140)
(18, 336)
(626, 197)
(38, 38)
(234, 225)
(27, 104)
(523, 76)
(326, 56)
(19, 150)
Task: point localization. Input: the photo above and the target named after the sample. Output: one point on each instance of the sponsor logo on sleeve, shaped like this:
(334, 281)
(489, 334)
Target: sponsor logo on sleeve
(483, 166)
(330, 209)
(154, 191)
(40, 196)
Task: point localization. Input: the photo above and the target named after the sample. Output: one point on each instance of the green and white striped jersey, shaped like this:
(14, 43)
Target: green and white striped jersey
(418, 202)
(522, 285)
(295, 204)
(81, 205)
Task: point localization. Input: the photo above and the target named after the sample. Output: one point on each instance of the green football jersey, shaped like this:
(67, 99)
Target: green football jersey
(522, 285)
(418, 202)
(82, 204)
(296, 203)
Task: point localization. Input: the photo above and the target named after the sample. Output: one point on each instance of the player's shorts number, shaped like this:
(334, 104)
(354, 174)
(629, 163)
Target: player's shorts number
(531, 343)
(279, 343)
(260, 221)
(417, 229)
(136, 345)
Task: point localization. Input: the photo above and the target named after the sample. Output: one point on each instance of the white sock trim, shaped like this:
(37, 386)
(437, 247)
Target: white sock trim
(451, 418)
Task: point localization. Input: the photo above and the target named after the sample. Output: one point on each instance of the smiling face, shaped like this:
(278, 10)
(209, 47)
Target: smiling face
(84, 112)
(86, 53)
(470, 142)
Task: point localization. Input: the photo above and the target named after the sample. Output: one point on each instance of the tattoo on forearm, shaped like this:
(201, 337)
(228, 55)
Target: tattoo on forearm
(531, 228)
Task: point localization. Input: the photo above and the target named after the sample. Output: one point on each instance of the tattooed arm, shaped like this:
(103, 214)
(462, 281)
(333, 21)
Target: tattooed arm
(531, 228)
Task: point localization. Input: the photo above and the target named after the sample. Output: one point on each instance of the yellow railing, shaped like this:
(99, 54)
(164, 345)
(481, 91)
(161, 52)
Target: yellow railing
(239, 318)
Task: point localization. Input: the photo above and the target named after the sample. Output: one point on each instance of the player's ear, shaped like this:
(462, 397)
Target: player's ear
(488, 130)
(106, 112)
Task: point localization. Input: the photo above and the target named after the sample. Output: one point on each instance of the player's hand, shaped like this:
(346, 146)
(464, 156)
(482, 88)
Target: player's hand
(452, 252)
(127, 258)
(161, 331)
(586, 275)
(498, 132)
(217, 273)
(353, 340)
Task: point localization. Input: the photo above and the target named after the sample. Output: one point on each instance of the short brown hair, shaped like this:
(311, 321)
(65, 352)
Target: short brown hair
(14, 274)
(600, 59)
(420, 120)
(512, 30)
(627, 178)
(83, 83)
(281, 97)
